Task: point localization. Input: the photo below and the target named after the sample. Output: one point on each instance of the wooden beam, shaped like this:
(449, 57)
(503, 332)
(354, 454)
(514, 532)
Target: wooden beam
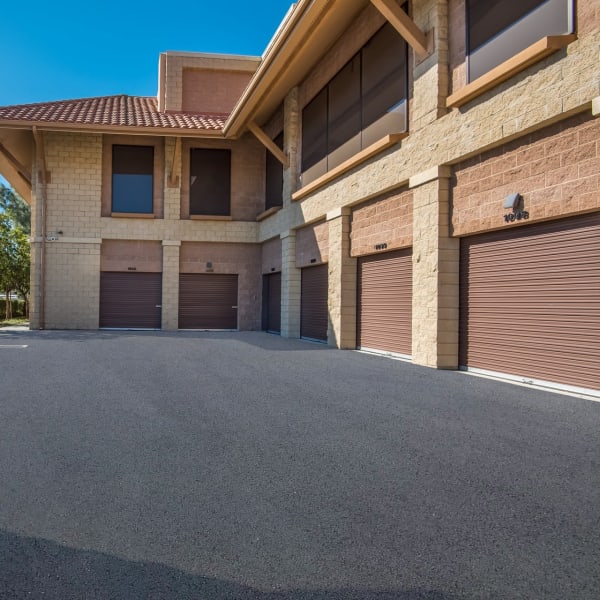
(404, 25)
(269, 144)
(18, 166)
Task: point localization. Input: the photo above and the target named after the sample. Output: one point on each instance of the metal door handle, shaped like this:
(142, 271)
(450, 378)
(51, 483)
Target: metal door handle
(158, 306)
(234, 307)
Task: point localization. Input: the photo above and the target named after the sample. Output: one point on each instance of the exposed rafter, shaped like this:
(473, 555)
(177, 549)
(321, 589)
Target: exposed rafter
(18, 166)
(269, 144)
(405, 26)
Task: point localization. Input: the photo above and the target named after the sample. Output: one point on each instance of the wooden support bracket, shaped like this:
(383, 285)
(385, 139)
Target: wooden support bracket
(269, 144)
(420, 42)
(21, 169)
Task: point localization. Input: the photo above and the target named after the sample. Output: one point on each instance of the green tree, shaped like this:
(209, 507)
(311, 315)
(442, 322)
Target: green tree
(12, 205)
(14, 262)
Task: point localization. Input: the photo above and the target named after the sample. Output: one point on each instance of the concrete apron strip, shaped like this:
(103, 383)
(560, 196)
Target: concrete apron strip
(21, 346)
(538, 384)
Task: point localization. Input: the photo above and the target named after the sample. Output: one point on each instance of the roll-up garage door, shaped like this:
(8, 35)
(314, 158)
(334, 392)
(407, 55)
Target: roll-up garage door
(272, 302)
(314, 310)
(530, 302)
(130, 300)
(208, 301)
(385, 302)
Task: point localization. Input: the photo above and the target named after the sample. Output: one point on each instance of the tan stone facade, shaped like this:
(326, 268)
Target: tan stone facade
(532, 132)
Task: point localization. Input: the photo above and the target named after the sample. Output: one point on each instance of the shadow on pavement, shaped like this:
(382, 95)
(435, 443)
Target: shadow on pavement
(259, 339)
(36, 569)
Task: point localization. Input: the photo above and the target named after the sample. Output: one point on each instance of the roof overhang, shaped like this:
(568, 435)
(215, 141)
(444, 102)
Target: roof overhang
(310, 28)
(112, 129)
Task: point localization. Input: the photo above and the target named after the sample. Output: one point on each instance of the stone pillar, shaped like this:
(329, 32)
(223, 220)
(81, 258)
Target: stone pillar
(35, 280)
(431, 75)
(435, 272)
(170, 285)
(342, 281)
(291, 145)
(172, 188)
(290, 287)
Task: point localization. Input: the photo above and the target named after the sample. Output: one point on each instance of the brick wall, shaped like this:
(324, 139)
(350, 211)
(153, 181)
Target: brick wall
(312, 245)
(241, 259)
(212, 91)
(386, 220)
(126, 255)
(556, 170)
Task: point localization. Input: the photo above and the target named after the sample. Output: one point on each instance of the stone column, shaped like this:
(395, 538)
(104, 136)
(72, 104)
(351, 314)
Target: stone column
(342, 281)
(170, 285)
(435, 272)
(290, 287)
(291, 145)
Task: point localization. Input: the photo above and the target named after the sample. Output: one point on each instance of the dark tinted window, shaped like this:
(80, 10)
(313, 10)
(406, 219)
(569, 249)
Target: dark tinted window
(274, 177)
(370, 90)
(210, 182)
(314, 131)
(487, 18)
(343, 115)
(132, 179)
(384, 76)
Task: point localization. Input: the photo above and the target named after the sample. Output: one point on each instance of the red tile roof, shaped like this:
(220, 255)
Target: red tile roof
(111, 111)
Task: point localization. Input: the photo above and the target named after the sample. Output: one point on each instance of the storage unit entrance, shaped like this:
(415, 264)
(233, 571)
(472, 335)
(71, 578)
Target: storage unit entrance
(313, 305)
(271, 316)
(384, 319)
(130, 284)
(208, 301)
(530, 301)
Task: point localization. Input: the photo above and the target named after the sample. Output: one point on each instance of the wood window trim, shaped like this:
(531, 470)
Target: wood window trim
(126, 215)
(267, 213)
(539, 50)
(210, 218)
(361, 157)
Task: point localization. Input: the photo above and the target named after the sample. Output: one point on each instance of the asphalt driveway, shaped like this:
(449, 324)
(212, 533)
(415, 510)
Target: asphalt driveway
(213, 466)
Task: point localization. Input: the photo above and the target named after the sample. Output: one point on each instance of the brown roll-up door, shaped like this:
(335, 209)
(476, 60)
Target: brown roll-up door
(130, 300)
(385, 302)
(208, 301)
(314, 311)
(530, 301)
(272, 302)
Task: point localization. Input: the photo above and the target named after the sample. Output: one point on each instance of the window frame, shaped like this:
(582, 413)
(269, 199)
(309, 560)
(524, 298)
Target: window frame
(186, 196)
(506, 33)
(336, 156)
(158, 178)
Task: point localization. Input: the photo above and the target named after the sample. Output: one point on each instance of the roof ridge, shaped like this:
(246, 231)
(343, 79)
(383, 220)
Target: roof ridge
(75, 100)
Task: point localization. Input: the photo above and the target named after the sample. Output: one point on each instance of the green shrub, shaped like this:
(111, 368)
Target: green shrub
(18, 308)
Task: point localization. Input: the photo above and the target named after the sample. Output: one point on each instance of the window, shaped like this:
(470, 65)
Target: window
(274, 177)
(210, 182)
(497, 30)
(365, 101)
(132, 179)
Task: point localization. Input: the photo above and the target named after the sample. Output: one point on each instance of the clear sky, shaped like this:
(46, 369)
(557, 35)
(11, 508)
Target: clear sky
(78, 49)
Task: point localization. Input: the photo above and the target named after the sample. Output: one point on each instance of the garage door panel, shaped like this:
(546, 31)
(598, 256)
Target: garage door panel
(130, 300)
(208, 301)
(384, 319)
(530, 301)
(314, 310)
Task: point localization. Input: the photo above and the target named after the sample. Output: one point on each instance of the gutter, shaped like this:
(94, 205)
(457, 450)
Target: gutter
(41, 179)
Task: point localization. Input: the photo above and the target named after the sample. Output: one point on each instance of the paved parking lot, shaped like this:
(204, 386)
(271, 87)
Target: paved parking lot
(223, 466)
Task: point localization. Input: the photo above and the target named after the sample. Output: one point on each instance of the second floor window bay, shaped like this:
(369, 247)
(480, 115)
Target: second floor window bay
(497, 29)
(364, 102)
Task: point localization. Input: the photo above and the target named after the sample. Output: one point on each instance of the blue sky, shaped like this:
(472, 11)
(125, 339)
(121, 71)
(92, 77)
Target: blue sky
(74, 49)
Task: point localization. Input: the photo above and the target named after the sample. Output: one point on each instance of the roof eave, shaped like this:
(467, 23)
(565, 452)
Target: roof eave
(96, 128)
(291, 55)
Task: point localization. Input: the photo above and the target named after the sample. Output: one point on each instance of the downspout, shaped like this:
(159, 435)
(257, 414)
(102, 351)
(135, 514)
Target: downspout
(41, 180)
